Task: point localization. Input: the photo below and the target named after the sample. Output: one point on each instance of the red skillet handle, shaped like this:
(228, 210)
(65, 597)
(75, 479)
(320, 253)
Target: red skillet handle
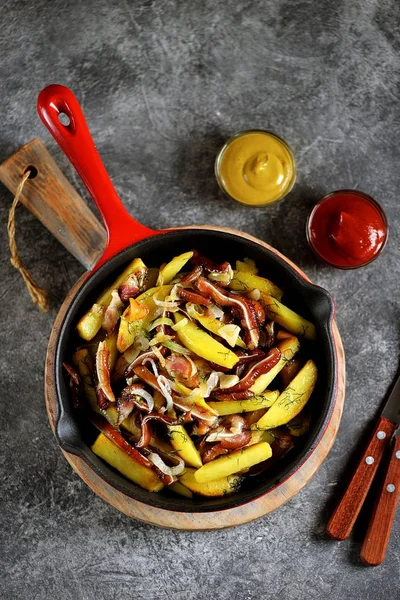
(72, 134)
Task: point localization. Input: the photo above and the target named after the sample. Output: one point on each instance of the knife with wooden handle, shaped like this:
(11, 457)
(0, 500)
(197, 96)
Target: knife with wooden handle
(344, 516)
(377, 537)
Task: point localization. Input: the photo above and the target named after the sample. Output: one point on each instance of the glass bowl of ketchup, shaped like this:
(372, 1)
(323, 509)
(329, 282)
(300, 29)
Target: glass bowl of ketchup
(347, 229)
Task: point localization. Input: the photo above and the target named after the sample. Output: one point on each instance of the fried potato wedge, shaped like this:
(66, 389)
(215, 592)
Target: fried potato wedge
(171, 269)
(232, 407)
(198, 341)
(234, 462)
(219, 487)
(292, 400)
(287, 318)
(91, 322)
(184, 446)
(125, 464)
(243, 281)
(288, 349)
(214, 326)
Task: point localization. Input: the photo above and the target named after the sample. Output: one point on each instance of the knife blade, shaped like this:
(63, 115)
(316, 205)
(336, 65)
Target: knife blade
(391, 410)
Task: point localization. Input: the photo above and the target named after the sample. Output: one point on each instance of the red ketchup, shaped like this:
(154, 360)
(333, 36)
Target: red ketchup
(347, 229)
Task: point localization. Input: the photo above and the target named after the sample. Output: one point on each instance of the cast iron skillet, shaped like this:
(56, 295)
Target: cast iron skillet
(60, 112)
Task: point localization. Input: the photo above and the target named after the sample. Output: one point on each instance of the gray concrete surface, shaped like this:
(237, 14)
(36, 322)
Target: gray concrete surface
(162, 85)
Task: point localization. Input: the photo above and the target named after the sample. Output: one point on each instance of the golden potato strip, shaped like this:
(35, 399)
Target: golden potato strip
(288, 349)
(292, 400)
(286, 317)
(232, 407)
(218, 487)
(214, 326)
(168, 271)
(184, 446)
(233, 463)
(244, 281)
(126, 465)
(90, 323)
(202, 344)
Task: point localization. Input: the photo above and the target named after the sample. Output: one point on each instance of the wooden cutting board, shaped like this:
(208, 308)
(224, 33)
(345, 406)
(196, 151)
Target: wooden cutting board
(216, 519)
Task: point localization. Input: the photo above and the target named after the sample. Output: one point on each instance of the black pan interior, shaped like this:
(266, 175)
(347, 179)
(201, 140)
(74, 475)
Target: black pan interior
(309, 300)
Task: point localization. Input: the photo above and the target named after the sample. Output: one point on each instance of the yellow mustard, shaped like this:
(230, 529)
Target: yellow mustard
(256, 167)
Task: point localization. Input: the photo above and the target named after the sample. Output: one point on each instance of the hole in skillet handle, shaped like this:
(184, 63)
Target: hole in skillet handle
(64, 119)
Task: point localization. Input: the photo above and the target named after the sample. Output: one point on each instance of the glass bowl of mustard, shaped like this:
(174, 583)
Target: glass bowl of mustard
(255, 167)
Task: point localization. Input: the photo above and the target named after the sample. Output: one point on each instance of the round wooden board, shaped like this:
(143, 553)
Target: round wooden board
(211, 520)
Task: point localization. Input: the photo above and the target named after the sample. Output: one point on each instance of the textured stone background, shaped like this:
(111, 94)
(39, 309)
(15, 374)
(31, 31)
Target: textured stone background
(162, 85)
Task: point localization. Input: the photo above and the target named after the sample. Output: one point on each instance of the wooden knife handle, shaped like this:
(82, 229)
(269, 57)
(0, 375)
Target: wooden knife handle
(343, 518)
(53, 200)
(377, 538)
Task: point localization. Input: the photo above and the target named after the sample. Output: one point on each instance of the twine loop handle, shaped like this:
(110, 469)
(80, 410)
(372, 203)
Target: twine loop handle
(39, 295)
